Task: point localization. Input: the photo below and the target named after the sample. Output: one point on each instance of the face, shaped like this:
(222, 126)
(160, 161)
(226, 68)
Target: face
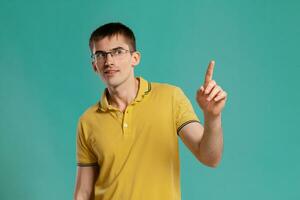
(117, 69)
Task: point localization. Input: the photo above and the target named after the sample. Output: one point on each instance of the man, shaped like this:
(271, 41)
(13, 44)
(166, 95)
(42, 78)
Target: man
(127, 143)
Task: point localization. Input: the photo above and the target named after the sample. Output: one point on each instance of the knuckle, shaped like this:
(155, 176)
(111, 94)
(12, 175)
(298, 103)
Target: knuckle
(216, 90)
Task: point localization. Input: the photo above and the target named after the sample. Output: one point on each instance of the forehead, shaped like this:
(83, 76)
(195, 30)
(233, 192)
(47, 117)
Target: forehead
(108, 43)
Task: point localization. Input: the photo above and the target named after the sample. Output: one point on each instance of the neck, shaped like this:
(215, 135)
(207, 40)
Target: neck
(122, 95)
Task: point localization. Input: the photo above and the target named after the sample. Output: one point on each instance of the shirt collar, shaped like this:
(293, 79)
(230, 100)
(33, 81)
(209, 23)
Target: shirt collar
(144, 89)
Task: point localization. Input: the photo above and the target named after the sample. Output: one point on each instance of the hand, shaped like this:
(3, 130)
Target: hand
(211, 97)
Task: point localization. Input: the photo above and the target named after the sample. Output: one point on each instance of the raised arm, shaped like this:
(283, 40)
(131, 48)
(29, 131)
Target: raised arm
(206, 143)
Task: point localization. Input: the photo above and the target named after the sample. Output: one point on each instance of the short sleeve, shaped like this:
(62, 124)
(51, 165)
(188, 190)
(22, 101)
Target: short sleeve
(84, 153)
(184, 112)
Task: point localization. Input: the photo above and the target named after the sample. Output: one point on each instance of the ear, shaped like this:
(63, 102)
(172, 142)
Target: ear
(94, 67)
(92, 48)
(136, 57)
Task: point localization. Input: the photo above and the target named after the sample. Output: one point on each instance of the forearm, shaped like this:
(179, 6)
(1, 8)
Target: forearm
(211, 145)
(83, 196)
(85, 182)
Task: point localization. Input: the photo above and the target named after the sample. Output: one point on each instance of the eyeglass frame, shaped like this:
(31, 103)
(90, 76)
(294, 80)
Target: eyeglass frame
(93, 56)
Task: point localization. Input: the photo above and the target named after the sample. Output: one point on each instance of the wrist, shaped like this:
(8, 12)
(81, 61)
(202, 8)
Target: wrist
(212, 124)
(212, 117)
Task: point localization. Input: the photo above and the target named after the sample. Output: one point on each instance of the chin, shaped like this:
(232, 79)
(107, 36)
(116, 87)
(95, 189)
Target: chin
(113, 82)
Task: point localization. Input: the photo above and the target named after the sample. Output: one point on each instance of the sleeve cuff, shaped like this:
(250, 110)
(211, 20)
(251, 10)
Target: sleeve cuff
(87, 164)
(185, 123)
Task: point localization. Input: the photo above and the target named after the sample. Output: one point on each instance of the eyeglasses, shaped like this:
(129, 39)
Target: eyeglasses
(117, 53)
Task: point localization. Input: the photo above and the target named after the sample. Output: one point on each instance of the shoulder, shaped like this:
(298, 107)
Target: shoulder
(166, 90)
(89, 113)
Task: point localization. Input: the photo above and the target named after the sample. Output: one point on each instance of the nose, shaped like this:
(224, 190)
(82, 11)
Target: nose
(108, 59)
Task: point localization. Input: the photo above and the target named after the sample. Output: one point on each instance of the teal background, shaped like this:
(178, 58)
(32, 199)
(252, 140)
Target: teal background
(47, 82)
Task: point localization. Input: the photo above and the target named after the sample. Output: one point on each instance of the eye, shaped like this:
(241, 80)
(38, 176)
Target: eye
(117, 51)
(100, 55)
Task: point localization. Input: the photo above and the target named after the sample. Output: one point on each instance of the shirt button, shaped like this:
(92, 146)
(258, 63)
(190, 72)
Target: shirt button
(125, 125)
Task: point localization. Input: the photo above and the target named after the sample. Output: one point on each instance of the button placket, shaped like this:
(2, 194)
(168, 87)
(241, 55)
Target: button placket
(126, 121)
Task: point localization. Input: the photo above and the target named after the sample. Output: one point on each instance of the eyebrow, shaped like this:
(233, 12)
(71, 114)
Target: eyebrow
(119, 47)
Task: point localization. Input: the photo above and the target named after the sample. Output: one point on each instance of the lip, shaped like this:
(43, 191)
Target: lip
(110, 72)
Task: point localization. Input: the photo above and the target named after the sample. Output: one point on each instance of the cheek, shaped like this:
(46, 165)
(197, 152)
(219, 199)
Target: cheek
(98, 67)
(126, 65)
(99, 70)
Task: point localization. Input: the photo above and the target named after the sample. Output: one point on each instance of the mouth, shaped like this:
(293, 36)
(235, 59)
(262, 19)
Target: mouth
(110, 72)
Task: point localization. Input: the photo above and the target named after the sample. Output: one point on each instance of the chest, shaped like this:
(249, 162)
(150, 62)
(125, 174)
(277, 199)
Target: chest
(143, 127)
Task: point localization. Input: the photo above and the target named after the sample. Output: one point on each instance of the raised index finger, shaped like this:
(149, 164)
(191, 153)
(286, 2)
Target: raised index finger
(209, 72)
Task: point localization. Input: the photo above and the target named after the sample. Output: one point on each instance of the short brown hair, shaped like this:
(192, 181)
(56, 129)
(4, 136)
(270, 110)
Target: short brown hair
(112, 29)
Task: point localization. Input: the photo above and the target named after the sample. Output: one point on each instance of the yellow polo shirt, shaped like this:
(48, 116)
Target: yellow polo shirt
(137, 151)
